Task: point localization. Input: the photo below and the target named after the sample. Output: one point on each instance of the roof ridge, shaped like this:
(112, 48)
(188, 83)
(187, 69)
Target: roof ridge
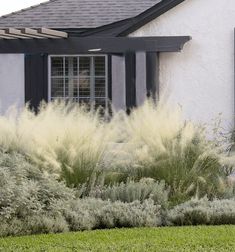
(28, 8)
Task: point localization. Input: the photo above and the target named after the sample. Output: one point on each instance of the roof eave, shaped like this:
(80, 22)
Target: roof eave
(125, 27)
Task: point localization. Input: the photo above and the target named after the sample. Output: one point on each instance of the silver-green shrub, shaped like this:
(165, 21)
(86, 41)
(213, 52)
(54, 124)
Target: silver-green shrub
(87, 214)
(132, 191)
(35, 224)
(29, 198)
(203, 212)
(32, 202)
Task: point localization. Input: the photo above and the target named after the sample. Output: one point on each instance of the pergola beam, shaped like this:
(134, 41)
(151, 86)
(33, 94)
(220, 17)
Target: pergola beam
(100, 45)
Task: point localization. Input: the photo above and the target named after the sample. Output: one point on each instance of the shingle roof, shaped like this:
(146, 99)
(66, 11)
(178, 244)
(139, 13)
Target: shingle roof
(76, 13)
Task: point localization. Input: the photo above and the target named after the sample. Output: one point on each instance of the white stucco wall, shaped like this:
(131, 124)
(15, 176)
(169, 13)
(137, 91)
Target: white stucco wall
(201, 77)
(11, 81)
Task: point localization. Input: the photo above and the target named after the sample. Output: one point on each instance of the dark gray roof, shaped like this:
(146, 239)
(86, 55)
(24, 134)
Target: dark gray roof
(76, 13)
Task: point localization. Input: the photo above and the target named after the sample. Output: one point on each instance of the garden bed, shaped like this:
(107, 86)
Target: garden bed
(61, 171)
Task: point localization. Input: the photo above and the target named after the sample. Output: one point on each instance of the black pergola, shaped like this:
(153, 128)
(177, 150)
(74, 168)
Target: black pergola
(37, 50)
(107, 45)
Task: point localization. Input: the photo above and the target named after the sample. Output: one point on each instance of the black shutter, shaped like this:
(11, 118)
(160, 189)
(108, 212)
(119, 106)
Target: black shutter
(110, 77)
(130, 59)
(152, 74)
(36, 79)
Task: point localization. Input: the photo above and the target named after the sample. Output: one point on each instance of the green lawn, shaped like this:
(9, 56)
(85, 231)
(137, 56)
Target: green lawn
(146, 239)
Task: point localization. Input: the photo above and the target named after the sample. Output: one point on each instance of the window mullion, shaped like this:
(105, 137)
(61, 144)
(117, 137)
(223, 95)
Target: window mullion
(92, 82)
(78, 80)
(106, 83)
(64, 75)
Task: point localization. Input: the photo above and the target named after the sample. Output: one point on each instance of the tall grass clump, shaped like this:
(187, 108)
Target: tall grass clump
(81, 147)
(65, 139)
(161, 145)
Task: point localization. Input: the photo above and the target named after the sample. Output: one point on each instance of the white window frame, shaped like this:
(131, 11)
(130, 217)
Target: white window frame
(92, 97)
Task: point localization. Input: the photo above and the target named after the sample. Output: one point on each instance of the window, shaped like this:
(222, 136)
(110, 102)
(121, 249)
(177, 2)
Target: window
(81, 79)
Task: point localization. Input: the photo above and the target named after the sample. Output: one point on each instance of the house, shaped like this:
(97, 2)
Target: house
(121, 51)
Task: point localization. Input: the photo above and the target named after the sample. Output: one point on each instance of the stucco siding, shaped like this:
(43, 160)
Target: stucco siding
(201, 77)
(11, 81)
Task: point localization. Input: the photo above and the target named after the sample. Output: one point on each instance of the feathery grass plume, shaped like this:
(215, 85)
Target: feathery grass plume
(79, 145)
(62, 138)
(163, 146)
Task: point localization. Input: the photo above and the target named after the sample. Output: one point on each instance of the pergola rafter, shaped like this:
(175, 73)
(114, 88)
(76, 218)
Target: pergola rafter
(29, 33)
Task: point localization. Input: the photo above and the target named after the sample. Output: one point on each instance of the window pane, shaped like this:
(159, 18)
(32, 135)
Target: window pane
(72, 77)
(84, 87)
(100, 87)
(99, 66)
(57, 88)
(71, 87)
(71, 66)
(84, 66)
(57, 66)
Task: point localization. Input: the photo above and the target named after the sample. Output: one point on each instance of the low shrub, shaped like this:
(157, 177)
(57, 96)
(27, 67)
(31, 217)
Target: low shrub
(25, 190)
(34, 224)
(34, 202)
(87, 214)
(203, 212)
(29, 198)
(132, 191)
